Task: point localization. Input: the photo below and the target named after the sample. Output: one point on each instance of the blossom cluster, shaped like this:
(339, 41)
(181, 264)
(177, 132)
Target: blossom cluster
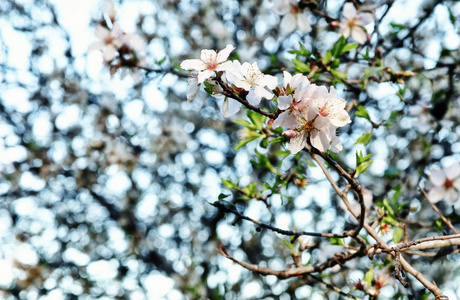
(119, 49)
(311, 113)
(446, 184)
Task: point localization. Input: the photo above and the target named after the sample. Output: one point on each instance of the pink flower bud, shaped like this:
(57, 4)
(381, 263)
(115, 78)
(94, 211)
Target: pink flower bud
(290, 133)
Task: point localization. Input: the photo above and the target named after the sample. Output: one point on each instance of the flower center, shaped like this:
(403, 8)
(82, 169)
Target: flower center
(294, 9)
(448, 183)
(253, 75)
(211, 65)
(323, 111)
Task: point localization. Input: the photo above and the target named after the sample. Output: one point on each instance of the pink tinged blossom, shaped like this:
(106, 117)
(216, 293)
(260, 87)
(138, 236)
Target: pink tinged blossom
(354, 22)
(209, 63)
(446, 184)
(251, 79)
(329, 105)
(293, 17)
(109, 42)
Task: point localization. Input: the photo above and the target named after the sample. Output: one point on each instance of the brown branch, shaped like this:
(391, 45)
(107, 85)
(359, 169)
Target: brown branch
(276, 229)
(337, 259)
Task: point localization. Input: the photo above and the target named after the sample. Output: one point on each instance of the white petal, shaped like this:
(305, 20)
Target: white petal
(287, 78)
(208, 55)
(303, 22)
(253, 97)
(193, 64)
(281, 117)
(109, 9)
(284, 101)
(96, 45)
(451, 195)
(453, 171)
(282, 7)
(224, 66)
(365, 18)
(102, 32)
(261, 92)
(457, 184)
(193, 89)
(358, 34)
(230, 107)
(202, 76)
(298, 142)
(336, 147)
(225, 53)
(288, 23)
(436, 194)
(346, 31)
(269, 81)
(437, 177)
(110, 52)
(320, 141)
(349, 11)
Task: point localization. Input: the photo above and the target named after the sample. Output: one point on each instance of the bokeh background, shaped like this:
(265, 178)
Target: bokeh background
(106, 182)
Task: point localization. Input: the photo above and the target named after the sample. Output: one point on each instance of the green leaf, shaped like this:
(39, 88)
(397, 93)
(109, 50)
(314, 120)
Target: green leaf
(389, 220)
(397, 234)
(282, 153)
(388, 208)
(338, 74)
(338, 47)
(369, 276)
(336, 241)
(256, 119)
(327, 58)
(208, 87)
(362, 112)
(300, 66)
(280, 139)
(244, 142)
(289, 245)
(349, 47)
(223, 196)
(230, 184)
(365, 138)
(437, 224)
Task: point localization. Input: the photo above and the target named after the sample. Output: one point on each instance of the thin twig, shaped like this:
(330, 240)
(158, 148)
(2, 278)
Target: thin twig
(444, 219)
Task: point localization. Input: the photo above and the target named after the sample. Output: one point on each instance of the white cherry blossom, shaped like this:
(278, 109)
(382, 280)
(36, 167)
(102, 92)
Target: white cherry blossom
(354, 22)
(251, 79)
(293, 16)
(316, 116)
(446, 184)
(110, 41)
(210, 62)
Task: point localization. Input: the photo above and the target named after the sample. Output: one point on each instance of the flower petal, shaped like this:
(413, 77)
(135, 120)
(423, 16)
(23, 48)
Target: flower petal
(225, 53)
(193, 64)
(284, 102)
(303, 22)
(436, 194)
(288, 23)
(229, 107)
(365, 18)
(349, 11)
(253, 97)
(193, 89)
(359, 34)
(262, 92)
(109, 53)
(437, 177)
(202, 76)
(281, 117)
(298, 142)
(269, 81)
(453, 171)
(451, 195)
